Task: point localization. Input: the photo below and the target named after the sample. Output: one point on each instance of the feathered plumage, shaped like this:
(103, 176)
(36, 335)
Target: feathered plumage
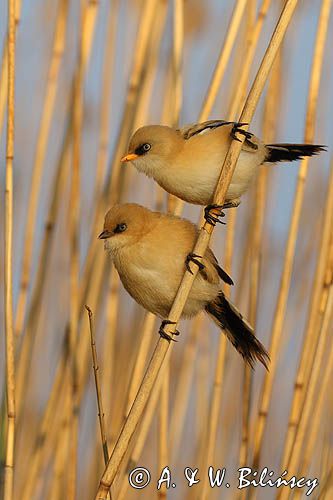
(187, 162)
(149, 251)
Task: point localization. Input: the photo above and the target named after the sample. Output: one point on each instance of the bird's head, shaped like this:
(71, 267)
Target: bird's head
(153, 147)
(124, 225)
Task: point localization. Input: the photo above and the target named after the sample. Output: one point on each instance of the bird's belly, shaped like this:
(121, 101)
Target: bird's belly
(148, 289)
(244, 172)
(196, 184)
(156, 291)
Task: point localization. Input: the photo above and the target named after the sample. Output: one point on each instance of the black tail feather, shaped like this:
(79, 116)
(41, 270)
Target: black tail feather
(291, 152)
(237, 330)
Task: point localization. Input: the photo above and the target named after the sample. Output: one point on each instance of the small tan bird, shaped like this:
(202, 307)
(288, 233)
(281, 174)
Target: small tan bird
(187, 162)
(150, 251)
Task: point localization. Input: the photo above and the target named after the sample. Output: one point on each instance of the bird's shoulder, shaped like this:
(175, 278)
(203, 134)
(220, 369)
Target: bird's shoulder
(193, 129)
(214, 128)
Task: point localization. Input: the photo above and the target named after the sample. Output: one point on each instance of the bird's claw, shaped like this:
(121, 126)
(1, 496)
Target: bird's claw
(193, 257)
(237, 129)
(231, 204)
(166, 335)
(213, 219)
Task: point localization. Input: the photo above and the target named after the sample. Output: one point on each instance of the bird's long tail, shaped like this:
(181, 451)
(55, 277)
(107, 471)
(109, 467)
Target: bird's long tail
(291, 152)
(238, 331)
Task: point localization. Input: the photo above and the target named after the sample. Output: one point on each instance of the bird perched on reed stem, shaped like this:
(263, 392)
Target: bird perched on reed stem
(150, 251)
(187, 162)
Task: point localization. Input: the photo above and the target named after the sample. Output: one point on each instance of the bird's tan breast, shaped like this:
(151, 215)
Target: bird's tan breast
(152, 269)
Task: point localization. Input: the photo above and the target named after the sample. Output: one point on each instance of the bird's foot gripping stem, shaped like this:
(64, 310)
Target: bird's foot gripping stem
(237, 129)
(213, 219)
(164, 334)
(193, 257)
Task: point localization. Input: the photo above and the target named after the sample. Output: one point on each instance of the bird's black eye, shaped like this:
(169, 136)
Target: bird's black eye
(143, 149)
(120, 228)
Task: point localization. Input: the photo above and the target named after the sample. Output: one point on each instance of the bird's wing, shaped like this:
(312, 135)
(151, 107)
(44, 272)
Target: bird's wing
(250, 143)
(212, 267)
(197, 128)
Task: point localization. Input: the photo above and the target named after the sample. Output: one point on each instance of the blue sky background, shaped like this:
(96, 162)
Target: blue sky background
(205, 27)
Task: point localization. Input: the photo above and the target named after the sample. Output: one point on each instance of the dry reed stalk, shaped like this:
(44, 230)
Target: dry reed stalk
(163, 428)
(240, 89)
(135, 79)
(184, 381)
(200, 247)
(151, 63)
(144, 429)
(146, 86)
(113, 185)
(93, 298)
(52, 438)
(106, 95)
(202, 402)
(260, 195)
(90, 22)
(93, 288)
(172, 202)
(42, 439)
(108, 364)
(87, 28)
(325, 458)
(176, 87)
(34, 312)
(325, 260)
(215, 83)
(218, 75)
(39, 162)
(214, 414)
(140, 359)
(93, 278)
(139, 118)
(108, 361)
(326, 488)
(4, 70)
(111, 189)
(316, 420)
(25, 353)
(74, 264)
(178, 43)
(98, 386)
(223, 60)
(283, 293)
(253, 290)
(252, 35)
(56, 489)
(307, 409)
(8, 264)
(140, 113)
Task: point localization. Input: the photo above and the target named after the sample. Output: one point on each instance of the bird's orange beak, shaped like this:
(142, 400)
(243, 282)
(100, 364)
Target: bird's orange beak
(129, 157)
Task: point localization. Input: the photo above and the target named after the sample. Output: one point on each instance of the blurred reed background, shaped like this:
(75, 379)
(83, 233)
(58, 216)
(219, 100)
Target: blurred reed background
(87, 75)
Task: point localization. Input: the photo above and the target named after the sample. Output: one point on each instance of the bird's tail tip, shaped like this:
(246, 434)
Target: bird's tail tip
(291, 152)
(238, 331)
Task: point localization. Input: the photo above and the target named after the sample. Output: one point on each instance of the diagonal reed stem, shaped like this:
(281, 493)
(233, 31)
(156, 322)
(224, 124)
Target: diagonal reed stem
(98, 386)
(8, 264)
(200, 247)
